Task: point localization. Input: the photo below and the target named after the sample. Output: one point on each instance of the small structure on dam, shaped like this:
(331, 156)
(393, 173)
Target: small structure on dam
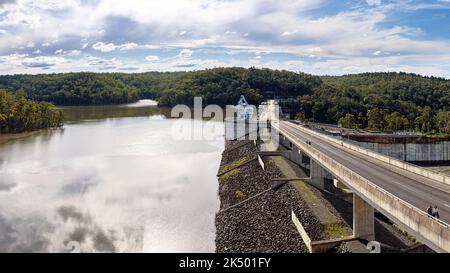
(244, 110)
(243, 123)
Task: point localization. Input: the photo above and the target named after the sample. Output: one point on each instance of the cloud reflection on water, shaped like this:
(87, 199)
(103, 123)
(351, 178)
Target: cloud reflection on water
(119, 185)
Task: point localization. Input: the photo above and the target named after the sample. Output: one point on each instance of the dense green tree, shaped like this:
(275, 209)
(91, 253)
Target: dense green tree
(395, 122)
(425, 120)
(443, 121)
(301, 117)
(348, 121)
(18, 114)
(375, 119)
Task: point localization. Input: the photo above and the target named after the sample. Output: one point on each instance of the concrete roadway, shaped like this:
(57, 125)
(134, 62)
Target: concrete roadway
(417, 190)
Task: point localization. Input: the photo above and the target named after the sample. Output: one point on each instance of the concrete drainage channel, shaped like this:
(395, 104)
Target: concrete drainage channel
(266, 206)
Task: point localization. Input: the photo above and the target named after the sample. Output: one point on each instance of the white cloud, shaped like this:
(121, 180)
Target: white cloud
(288, 33)
(152, 58)
(13, 59)
(185, 54)
(42, 61)
(52, 5)
(234, 52)
(186, 27)
(128, 46)
(102, 64)
(377, 53)
(108, 47)
(230, 32)
(68, 53)
(74, 53)
(148, 46)
(100, 46)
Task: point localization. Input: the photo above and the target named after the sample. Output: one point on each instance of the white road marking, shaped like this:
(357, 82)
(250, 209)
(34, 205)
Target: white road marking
(447, 205)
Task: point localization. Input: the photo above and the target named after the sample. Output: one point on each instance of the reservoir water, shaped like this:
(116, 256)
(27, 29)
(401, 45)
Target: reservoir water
(114, 179)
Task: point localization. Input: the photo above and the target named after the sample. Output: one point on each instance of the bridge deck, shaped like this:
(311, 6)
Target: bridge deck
(417, 190)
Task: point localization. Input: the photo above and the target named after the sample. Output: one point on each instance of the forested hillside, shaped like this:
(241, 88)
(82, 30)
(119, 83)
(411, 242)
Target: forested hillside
(220, 86)
(223, 86)
(377, 101)
(386, 102)
(72, 88)
(18, 114)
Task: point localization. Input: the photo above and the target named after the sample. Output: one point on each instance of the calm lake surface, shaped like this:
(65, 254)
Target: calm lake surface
(114, 179)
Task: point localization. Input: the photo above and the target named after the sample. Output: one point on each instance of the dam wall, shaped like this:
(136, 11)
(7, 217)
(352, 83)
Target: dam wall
(410, 152)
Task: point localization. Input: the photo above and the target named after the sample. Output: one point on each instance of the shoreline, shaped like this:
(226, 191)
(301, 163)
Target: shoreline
(4, 138)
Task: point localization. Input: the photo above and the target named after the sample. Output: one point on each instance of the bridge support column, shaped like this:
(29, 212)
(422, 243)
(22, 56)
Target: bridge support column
(300, 158)
(305, 160)
(296, 155)
(363, 219)
(317, 174)
(285, 142)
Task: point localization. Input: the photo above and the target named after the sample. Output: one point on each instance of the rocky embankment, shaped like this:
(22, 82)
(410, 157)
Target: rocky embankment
(262, 224)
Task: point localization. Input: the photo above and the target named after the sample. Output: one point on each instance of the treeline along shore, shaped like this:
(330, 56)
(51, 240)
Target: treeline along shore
(375, 101)
(19, 114)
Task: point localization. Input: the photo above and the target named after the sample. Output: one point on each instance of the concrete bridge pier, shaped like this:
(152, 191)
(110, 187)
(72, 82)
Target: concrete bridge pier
(317, 174)
(285, 142)
(306, 160)
(296, 155)
(363, 219)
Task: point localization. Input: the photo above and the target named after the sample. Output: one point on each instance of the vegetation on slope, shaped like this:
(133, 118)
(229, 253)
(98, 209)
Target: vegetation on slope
(18, 114)
(223, 86)
(72, 88)
(380, 102)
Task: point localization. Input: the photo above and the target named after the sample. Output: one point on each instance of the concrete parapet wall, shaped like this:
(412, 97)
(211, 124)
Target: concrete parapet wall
(306, 239)
(410, 152)
(430, 231)
(317, 246)
(439, 177)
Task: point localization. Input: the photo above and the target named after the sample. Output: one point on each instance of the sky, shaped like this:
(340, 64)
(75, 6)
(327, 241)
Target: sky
(322, 37)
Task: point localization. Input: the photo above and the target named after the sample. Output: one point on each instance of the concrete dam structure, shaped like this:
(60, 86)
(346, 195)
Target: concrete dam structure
(398, 190)
(432, 151)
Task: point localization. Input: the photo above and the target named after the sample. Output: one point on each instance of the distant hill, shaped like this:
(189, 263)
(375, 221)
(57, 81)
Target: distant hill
(85, 88)
(378, 101)
(422, 91)
(223, 86)
(220, 86)
(397, 101)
